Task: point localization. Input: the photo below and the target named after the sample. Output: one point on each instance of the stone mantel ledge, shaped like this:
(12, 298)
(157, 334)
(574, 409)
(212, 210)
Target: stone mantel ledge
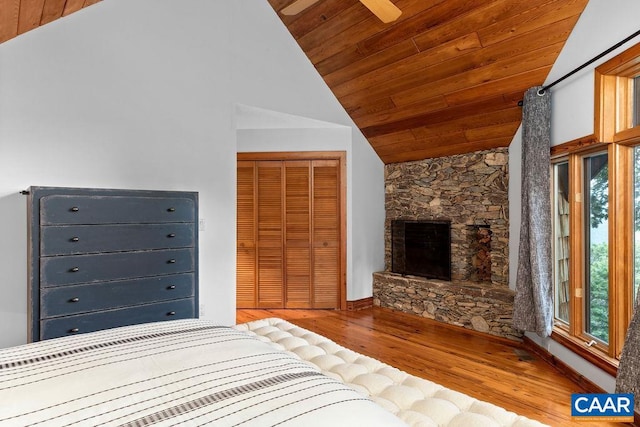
(481, 307)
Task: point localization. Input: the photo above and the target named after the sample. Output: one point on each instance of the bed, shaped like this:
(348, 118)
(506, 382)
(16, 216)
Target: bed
(194, 372)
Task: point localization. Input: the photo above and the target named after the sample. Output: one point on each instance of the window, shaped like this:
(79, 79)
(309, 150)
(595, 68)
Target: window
(596, 219)
(617, 97)
(592, 299)
(596, 246)
(560, 246)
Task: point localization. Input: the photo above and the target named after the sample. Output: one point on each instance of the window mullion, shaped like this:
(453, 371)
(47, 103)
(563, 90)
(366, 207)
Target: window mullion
(621, 208)
(576, 259)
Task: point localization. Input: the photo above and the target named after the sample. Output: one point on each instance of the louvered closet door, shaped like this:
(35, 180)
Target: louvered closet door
(270, 258)
(326, 234)
(246, 236)
(289, 234)
(298, 234)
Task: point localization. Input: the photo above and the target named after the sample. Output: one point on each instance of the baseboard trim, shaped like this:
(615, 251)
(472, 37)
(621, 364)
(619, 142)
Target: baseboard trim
(565, 369)
(360, 304)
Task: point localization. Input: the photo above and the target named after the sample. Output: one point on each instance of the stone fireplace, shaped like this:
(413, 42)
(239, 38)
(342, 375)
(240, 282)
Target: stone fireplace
(471, 192)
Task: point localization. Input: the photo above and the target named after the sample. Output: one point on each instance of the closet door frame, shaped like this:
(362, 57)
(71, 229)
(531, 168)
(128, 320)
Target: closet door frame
(340, 156)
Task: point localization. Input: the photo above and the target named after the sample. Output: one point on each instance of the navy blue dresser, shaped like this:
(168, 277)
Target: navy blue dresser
(105, 258)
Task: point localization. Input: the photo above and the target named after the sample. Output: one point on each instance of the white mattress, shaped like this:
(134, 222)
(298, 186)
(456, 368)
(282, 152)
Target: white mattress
(183, 372)
(416, 401)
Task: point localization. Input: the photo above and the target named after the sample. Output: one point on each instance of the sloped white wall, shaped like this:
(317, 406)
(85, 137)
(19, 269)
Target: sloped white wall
(142, 95)
(602, 24)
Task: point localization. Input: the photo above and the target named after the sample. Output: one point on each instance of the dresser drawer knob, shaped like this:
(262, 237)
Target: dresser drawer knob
(171, 313)
(74, 330)
(75, 209)
(171, 261)
(74, 299)
(171, 287)
(171, 210)
(171, 235)
(74, 269)
(75, 239)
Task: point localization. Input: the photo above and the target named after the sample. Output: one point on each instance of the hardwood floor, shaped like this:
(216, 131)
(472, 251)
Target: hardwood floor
(494, 370)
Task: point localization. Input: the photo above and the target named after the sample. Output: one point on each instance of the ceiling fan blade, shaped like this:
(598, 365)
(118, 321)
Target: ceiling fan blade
(383, 9)
(298, 6)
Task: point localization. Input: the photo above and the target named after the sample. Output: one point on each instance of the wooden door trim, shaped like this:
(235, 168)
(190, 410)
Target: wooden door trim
(341, 156)
(292, 155)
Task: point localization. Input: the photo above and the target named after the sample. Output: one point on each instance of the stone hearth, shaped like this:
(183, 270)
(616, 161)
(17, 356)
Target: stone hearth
(469, 305)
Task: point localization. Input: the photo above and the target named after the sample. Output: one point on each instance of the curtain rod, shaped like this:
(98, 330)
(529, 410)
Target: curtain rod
(543, 89)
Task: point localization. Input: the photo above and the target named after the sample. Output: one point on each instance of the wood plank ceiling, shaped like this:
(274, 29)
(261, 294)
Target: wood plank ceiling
(443, 79)
(19, 16)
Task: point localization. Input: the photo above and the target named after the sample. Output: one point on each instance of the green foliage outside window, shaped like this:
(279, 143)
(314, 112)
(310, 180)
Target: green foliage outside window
(598, 254)
(599, 293)
(599, 199)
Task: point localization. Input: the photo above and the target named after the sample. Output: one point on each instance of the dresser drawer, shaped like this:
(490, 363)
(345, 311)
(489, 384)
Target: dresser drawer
(70, 325)
(75, 299)
(63, 209)
(75, 269)
(76, 239)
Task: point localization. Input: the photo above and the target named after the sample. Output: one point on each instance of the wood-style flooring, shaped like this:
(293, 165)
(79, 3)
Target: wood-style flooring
(490, 369)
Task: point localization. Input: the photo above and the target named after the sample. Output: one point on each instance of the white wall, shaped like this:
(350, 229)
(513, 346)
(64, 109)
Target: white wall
(143, 95)
(602, 24)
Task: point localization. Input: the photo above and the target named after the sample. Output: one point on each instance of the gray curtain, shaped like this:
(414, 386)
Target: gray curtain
(628, 379)
(533, 305)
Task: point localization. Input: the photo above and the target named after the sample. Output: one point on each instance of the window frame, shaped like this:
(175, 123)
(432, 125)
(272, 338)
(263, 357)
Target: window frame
(614, 102)
(572, 334)
(614, 130)
(559, 321)
(581, 246)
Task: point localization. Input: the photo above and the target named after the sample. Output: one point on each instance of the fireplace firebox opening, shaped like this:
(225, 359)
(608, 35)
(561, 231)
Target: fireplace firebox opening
(421, 248)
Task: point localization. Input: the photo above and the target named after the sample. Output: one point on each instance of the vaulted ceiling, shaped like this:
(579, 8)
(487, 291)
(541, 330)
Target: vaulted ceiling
(20, 16)
(443, 79)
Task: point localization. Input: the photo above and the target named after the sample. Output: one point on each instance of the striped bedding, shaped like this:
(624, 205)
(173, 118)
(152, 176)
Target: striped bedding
(183, 372)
